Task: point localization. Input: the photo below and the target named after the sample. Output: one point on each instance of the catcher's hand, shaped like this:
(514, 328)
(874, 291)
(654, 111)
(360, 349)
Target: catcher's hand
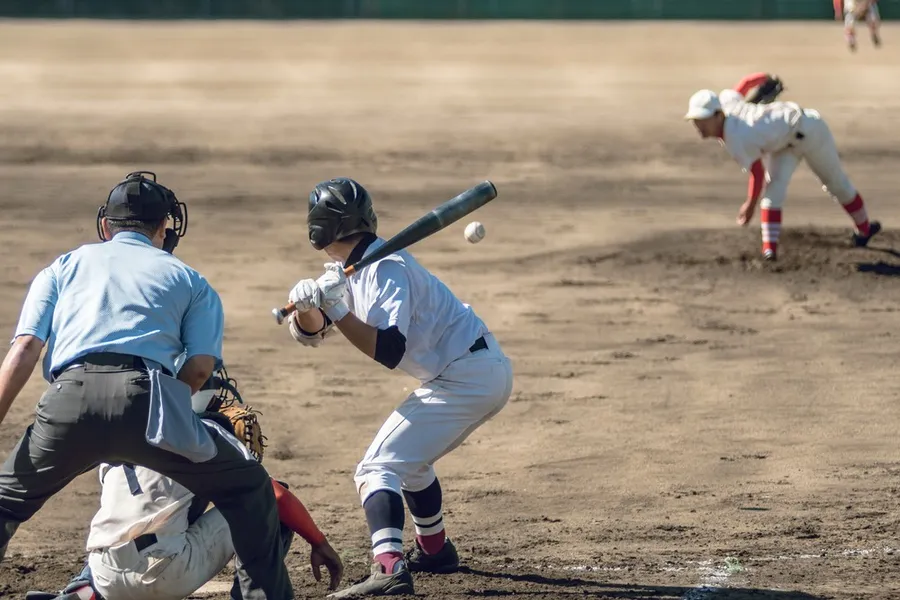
(767, 91)
(324, 555)
(247, 428)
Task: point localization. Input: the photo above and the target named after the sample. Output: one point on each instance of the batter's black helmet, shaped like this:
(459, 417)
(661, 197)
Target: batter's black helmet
(339, 208)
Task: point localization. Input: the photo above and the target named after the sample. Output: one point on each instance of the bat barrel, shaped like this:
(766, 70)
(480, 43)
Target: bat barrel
(447, 213)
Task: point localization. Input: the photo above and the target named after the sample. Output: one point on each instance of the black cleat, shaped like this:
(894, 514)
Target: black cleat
(861, 241)
(380, 583)
(770, 256)
(445, 561)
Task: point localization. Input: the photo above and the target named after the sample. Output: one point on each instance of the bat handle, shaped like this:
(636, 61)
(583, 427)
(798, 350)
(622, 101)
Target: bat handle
(282, 313)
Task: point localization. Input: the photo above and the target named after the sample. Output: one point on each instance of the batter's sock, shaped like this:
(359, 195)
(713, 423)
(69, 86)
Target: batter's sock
(857, 211)
(384, 513)
(770, 219)
(425, 508)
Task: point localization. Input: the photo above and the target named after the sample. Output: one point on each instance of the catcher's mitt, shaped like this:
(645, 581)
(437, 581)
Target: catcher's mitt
(767, 91)
(246, 428)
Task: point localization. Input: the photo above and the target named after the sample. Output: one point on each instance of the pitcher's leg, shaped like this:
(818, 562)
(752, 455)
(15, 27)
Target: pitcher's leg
(781, 168)
(821, 154)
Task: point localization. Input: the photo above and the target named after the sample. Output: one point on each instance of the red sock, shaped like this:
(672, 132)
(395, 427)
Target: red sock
(770, 219)
(857, 211)
(432, 544)
(388, 560)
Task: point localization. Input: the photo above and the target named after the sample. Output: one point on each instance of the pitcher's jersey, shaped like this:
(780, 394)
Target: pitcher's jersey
(397, 290)
(752, 130)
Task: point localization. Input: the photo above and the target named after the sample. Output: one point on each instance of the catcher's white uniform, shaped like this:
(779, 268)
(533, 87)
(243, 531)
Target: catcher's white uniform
(136, 502)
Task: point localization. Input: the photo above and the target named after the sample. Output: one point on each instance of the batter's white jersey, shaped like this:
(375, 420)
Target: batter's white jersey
(752, 130)
(398, 291)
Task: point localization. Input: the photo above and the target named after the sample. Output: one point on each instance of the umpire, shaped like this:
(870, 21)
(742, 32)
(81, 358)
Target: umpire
(114, 317)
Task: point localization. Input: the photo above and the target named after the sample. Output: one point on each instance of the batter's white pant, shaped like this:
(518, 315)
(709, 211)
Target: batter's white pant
(172, 569)
(821, 154)
(435, 419)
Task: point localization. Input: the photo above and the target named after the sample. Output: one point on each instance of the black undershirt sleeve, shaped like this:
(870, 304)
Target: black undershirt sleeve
(390, 346)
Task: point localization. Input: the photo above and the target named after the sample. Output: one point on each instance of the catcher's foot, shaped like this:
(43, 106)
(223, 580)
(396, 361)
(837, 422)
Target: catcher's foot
(380, 583)
(861, 241)
(445, 561)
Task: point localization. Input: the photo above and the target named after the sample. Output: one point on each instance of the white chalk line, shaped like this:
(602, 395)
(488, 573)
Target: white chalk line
(715, 576)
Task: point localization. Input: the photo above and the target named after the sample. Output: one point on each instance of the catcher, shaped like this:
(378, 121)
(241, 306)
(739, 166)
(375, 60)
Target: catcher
(770, 138)
(852, 12)
(153, 539)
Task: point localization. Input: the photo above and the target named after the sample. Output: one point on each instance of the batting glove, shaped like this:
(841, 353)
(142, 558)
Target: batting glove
(333, 284)
(306, 295)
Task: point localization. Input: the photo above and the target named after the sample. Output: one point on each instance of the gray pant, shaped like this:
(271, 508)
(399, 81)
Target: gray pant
(244, 587)
(98, 413)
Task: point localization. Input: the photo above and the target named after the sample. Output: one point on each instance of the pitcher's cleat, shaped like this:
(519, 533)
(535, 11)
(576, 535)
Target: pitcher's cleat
(861, 241)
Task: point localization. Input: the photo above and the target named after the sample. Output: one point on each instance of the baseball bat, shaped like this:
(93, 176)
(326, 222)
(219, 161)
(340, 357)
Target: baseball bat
(447, 213)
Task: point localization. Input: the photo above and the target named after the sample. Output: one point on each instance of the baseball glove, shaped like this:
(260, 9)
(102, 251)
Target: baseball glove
(247, 428)
(767, 91)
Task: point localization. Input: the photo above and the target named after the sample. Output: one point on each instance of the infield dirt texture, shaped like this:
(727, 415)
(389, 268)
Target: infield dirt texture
(682, 419)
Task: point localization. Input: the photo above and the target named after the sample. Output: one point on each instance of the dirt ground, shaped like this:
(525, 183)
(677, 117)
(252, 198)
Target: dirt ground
(685, 423)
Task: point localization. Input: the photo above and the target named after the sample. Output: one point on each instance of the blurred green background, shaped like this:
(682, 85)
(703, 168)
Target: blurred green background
(429, 9)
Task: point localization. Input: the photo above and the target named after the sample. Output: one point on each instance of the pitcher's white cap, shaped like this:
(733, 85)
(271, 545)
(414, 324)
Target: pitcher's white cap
(703, 105)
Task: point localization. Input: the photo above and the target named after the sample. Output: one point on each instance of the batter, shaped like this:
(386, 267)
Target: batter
(402, 316)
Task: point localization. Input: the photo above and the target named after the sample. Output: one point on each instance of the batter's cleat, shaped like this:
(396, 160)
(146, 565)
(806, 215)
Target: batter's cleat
(770, 256)
(445, 561)
(380, 583)
(861, 241)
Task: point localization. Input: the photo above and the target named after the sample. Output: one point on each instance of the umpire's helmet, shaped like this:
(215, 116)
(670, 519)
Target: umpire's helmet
(339, 208)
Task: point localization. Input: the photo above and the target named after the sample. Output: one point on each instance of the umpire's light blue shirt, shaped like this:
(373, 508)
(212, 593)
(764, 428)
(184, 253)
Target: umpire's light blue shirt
(122, 296)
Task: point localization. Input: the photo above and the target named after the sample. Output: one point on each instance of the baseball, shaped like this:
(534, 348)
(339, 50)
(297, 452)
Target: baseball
(474, 232)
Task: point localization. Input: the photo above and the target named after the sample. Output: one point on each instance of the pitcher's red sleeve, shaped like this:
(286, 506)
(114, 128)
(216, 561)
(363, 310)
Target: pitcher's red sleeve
(749, 82)
(292, 513)
(757, 177)
(839, 7)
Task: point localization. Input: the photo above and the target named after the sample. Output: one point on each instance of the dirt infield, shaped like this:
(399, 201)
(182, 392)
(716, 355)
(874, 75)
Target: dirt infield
(686, 423)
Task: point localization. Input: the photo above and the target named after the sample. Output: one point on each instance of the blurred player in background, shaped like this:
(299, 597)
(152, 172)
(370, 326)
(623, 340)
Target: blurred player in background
(852, 11)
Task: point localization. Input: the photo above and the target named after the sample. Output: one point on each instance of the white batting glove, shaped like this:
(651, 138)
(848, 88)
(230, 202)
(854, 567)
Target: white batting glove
(333, 284)
(306, 295)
